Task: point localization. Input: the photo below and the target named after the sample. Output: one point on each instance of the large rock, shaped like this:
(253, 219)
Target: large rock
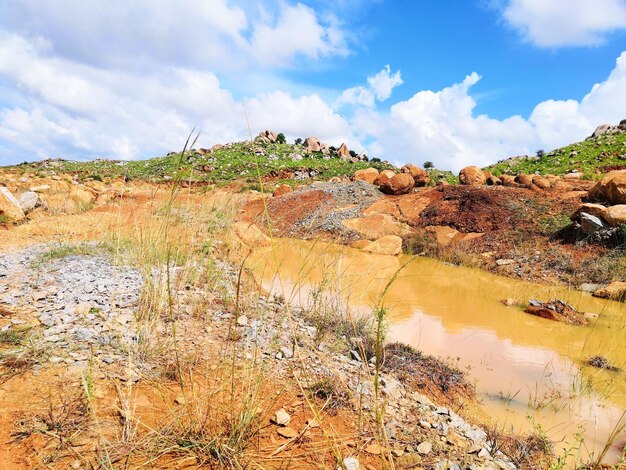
(383, 177)
(611, 188)
(615, 215)
(343, 151)
(312, 144)
(402, 183)
(472, 175)
(591, 224)
(388, 245)
(375, 226)
(445, 235)
(369, 175)
(593, 209)
(251, 235)
(524, 180)
(507, 180)
(541, 182)
(602, 129)
(9, 206)
(30, 200)
(420, 176)
(615, 291)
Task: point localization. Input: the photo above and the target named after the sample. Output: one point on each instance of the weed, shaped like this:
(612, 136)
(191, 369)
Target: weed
(331, 392)
(14, 337)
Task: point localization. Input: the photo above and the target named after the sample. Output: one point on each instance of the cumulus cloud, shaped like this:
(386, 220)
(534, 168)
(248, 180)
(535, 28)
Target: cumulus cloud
(440, 126)
(379, 88)
(558, 23)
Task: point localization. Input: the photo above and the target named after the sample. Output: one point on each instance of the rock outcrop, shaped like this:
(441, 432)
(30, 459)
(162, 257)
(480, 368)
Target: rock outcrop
(266, 137)
(614, 291)
(387, 245)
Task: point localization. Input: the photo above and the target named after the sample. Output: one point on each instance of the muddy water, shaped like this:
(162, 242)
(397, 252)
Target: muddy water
(522, 365)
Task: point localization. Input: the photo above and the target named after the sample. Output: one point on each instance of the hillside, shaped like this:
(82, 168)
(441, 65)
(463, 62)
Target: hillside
(242, 161)
(604, 151)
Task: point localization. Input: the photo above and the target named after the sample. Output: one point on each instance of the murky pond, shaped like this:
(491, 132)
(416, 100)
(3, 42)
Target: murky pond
(528, 371)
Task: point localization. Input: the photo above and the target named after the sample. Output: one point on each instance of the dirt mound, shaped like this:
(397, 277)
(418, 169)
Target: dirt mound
(313, 210)
(474, 209)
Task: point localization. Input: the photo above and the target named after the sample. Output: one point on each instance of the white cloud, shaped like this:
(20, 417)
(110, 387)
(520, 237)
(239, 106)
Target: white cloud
(379, 88)
(554, 23)
(440, 126)
(217, 34)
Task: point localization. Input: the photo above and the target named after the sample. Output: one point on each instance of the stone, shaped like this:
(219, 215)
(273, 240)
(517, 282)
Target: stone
(424, 448)
(29, 201)
(508, 302)
(504, 261)
(387, 245)
(524, 180)
(615, 215)
(251, 235)
(472, 175)
(615, 291)
(590, 224)
(282, 189)
(343, 151)
(383, 177)
(376, 226)
(611, 188)
(9, 206)
(419, 175)
(349, 463)
(281, 418)
(588, 208)
(402, 183)
(443, 235)
(492, 180)
(507, 180)
(312, 144)
(287, 432)
(541, 182)
(369, 175)
(242, 320)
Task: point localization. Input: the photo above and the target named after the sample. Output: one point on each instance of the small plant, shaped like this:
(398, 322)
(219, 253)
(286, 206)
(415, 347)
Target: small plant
(15, 337)
(333, 395)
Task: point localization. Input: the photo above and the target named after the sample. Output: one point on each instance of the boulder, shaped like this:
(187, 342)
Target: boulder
(492, 180)
(602, 129)
(614, 291)
(472, 175)
(312, 144)
(507, 180)
(615, 215)
(591, 224)
(541, 182)
(402, 183)
(343, 151)
(388, 245)
(524, 180)
(443, 235)
(611, 188)
(383, 177)
(9, 206)
(420, 176)
(251, 235)
(282, 189)
(369, 175)
(30, 200)
(593, 209)
(375, 226)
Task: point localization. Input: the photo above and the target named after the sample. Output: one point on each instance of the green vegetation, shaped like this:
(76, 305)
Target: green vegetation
(592, 157)
(237, 161)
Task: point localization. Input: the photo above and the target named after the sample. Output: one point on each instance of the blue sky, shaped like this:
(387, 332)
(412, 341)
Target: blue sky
(457, 83)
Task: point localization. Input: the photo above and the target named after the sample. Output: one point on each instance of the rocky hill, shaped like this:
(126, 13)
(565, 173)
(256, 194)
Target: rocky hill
(603, 151)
